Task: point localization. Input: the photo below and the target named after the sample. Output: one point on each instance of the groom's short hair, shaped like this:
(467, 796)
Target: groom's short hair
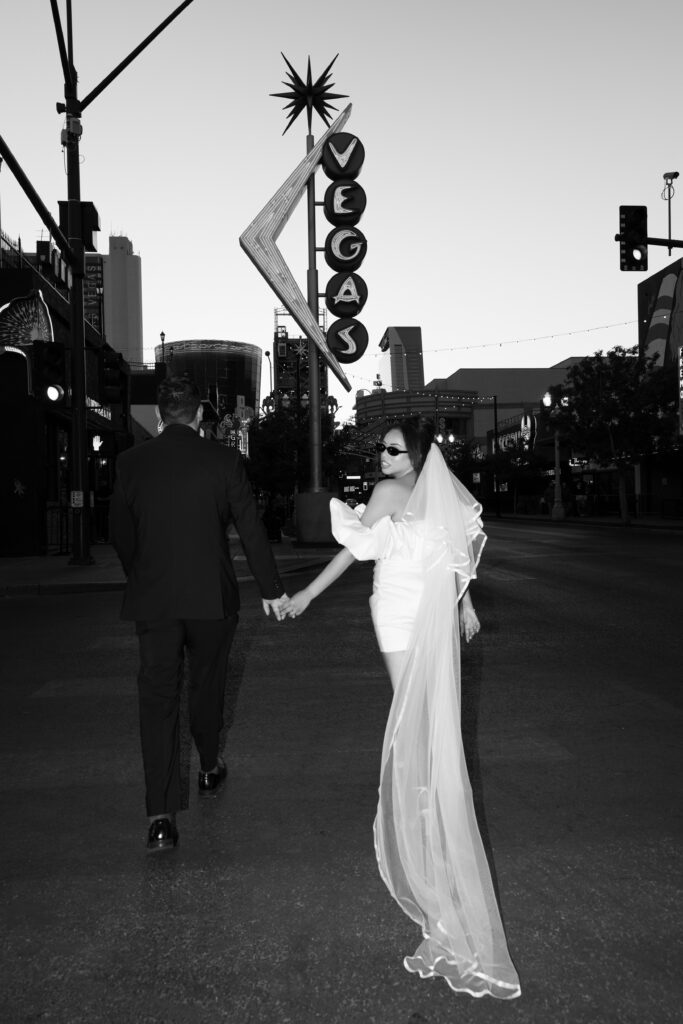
(178, 399)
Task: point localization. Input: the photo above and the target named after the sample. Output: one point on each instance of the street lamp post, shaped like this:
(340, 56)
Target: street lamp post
(162, 338)
(73, 108)
(551, 403)
(496, 453)
(0, 220)
(270, 369)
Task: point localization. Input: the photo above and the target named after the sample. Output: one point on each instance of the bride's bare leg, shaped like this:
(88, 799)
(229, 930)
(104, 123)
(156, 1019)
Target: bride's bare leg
(394, 660)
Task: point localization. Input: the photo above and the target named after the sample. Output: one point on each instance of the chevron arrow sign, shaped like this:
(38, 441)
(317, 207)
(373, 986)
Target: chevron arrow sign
(258, 241)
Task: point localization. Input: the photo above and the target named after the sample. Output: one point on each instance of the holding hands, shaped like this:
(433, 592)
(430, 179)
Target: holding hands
(297, 603)
(278, 605)
(286, 607)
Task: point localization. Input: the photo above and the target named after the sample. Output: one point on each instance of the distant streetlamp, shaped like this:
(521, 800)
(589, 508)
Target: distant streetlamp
(163, 348)
(0, 220)
(270, 367)
(552, 402)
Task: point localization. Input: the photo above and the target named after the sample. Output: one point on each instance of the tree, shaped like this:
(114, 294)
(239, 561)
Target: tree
(621, 409)
(276, 450)
(279, 458)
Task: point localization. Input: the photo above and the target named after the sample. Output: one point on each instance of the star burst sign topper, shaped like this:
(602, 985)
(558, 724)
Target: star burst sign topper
(258, 240)
(309, 95)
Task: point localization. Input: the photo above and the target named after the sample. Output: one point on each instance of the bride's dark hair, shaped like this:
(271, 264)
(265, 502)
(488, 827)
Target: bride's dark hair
(418, 434)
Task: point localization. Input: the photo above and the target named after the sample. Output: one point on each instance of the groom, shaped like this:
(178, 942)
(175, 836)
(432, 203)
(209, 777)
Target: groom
(173, 501)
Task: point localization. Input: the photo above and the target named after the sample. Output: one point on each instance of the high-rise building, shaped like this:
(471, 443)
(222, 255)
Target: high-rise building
(405, 370)
(122, 283)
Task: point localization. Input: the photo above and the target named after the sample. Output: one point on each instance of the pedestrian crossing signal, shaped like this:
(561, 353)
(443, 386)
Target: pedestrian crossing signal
(49, 370)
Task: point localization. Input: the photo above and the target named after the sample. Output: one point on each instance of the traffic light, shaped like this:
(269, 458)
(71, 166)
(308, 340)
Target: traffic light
(49, 370)
(112, 380)
(85, 216)
(633, 240)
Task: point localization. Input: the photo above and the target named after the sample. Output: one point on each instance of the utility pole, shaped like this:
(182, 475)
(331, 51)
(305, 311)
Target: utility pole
(73, 109)
(668, 194)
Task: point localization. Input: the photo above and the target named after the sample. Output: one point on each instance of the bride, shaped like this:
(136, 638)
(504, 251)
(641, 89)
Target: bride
(424, 530)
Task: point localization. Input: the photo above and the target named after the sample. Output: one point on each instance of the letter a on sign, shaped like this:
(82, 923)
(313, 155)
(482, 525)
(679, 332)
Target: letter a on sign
(346, 294)
(348, 291)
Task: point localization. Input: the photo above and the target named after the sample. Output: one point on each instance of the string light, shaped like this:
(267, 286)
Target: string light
(541, 337)
(656, 318)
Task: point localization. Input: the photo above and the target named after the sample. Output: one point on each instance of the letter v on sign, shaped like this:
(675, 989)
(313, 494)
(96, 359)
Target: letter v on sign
(258, 241)
(343, 157)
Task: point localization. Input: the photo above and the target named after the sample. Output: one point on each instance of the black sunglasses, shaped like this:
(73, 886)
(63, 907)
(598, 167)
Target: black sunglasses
(390, 449)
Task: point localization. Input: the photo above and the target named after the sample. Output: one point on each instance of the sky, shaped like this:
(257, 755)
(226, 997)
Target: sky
(500, 140)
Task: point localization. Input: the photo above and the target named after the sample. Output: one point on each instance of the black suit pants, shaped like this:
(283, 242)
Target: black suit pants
(162, 653)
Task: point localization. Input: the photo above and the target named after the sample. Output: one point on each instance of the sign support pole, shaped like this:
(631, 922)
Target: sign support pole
(314, 426)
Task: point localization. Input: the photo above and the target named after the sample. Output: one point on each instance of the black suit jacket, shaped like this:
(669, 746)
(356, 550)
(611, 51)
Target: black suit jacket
(173, 499)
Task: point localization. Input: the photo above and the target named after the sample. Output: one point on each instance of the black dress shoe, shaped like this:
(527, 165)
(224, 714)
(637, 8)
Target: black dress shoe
(210, 782)
(163, 835)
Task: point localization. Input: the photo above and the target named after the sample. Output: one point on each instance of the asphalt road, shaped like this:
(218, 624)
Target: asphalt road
(271, 910)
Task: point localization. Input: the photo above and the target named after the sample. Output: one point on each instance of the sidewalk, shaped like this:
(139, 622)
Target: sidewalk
(52, 574)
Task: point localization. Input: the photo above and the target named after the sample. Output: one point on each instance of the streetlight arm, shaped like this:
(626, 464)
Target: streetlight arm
(67, 66)
(35, 200)
(131, 56)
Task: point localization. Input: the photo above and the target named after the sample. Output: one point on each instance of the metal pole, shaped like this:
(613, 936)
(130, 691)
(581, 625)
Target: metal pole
(80, 485)
(496, 449)
(558, 506)
(270, 371)
(315, 432)
(73, 108)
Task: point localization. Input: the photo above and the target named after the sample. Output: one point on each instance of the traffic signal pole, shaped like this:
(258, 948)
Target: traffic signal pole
(73, 108)
(673, 243)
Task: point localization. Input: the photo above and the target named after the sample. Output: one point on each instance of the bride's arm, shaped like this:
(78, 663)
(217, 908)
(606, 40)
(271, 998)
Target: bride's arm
(300, 601)
(380, 504)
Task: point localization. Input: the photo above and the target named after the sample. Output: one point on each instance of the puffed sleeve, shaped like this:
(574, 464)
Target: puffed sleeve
(362, 541)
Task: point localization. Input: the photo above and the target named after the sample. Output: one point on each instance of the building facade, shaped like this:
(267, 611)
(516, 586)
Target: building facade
(36, 433)
(228, 375)
(290, 384)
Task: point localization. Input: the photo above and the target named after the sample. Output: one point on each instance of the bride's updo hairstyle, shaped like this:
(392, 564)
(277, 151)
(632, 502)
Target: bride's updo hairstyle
(418, 434)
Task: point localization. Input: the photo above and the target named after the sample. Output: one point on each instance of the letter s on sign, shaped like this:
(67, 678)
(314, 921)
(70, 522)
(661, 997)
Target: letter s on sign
(348, 339)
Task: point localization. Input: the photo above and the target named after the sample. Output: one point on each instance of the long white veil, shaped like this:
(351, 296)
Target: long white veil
(427, 841)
